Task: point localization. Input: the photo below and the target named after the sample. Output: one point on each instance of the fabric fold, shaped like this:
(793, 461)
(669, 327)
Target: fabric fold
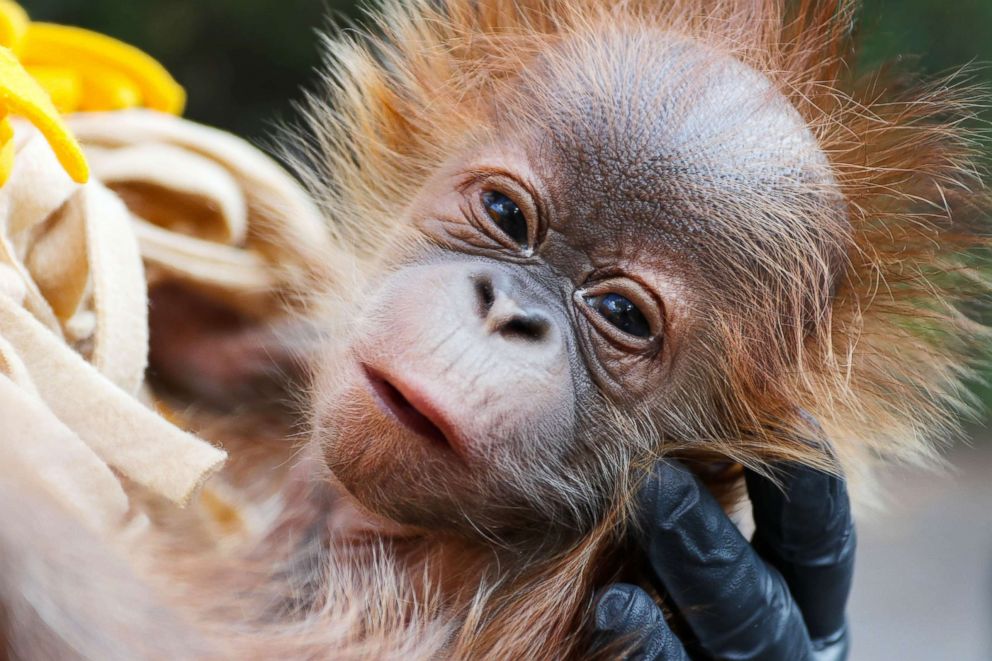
(169, 201)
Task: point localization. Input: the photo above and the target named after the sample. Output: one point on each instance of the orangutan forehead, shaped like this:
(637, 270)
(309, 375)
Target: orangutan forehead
(656, 131)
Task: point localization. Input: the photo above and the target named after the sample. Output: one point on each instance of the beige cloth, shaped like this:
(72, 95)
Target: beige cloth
(183, 200)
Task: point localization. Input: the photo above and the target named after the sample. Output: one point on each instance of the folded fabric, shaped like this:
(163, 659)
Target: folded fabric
(199, 206)
(48, 69)
(212, 210)
(170, 200)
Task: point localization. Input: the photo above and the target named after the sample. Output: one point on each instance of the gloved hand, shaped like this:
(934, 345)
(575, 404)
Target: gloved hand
(782, 596)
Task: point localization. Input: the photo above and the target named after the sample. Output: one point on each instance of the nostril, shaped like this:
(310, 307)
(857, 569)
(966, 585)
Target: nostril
(526, 326)
(485, 293)
(502, 314)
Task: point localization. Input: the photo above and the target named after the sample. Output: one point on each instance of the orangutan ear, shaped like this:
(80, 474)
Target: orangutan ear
(209, 354)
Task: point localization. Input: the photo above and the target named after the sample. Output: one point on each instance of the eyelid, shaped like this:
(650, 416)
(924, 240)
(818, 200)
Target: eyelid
(640, 295)
(520, 194)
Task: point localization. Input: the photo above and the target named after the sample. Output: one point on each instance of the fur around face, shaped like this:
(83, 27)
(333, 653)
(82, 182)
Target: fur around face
(870, 324)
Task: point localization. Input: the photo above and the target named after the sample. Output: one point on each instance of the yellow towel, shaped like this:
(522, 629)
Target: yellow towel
(48, 69)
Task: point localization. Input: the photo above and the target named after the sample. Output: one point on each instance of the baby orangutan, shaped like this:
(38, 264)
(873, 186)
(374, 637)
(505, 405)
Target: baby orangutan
(585, 235)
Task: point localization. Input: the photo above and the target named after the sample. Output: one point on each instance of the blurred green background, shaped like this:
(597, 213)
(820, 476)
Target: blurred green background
(243, 61)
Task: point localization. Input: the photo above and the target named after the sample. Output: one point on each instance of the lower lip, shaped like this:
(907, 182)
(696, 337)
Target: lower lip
(392, 401)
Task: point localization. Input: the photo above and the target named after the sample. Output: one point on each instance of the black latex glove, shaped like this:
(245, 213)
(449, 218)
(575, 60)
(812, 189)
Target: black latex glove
(780, 597)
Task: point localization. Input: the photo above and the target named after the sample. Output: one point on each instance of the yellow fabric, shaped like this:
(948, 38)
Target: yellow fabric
(21, 95)
(201, 206)
(183, 201)
(50, 69)
(13, 25)
(114, 75)
(106, 89)
(64, 86)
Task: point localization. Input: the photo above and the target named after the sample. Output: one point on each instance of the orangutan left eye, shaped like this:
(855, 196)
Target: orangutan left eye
(622, 313)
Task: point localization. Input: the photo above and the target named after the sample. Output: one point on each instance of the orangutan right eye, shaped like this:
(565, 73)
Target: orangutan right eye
(506, 215)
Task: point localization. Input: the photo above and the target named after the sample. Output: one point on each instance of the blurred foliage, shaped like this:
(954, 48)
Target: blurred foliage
(244, 61)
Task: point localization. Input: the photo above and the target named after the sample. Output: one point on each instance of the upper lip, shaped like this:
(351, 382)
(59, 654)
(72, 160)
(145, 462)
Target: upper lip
(413, 408)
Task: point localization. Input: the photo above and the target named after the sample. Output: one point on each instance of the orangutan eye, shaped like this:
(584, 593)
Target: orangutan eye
(507, 217)
(622, 313)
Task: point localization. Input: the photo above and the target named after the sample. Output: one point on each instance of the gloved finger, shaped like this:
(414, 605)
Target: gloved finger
(833, 648)
(805, 530)
(737, 606)
(629, 616)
